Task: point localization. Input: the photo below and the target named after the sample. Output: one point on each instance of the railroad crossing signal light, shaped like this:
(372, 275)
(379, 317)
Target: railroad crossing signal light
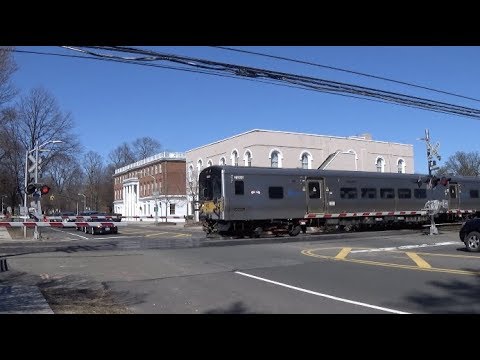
(44, 189)
(31, 189)
(435, 182)
(444, 181)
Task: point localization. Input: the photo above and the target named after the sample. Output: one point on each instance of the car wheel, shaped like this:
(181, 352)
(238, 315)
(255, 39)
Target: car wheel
(295, 231)
(472, 241)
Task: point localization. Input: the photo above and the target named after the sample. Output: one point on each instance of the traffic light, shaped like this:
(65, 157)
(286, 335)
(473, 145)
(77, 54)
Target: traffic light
(44, 189)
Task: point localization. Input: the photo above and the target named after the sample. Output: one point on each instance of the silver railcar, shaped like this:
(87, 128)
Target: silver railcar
(252, 200)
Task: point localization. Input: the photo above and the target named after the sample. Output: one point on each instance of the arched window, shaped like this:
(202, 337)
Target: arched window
(222, 161)
(380, 164)
(306, 160)
(199, 165)
(234, 158)
(209, 163)
(274, 159)
(247, 158)
(401, 166)
(190, 173)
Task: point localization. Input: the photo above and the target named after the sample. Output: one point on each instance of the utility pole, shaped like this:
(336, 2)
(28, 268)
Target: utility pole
(432, 206)
(432, 151)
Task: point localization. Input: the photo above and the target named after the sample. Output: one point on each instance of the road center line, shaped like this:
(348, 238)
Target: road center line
(407, 247)
(322, 295)
(343, 253)
(418, 260)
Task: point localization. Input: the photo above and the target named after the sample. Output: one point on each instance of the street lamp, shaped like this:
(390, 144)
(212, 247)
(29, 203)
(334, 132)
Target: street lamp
(156, 199)
(84, 202)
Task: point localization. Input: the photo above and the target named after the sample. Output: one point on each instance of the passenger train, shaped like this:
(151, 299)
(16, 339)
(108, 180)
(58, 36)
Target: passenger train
(249, 201)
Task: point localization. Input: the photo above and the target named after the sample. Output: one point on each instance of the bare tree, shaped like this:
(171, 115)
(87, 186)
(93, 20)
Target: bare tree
(8, 145)
(122, 155)
(6, 121)
(66, 178)
(98, 182)
(7, 68)
(461, 163)
(11, 160)
(140, 148)
(93, 167)
(145, 146)
(35, 119)
(39, 119)
(192, 188)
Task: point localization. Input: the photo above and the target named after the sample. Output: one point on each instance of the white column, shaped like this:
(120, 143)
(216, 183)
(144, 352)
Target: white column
(128, 201)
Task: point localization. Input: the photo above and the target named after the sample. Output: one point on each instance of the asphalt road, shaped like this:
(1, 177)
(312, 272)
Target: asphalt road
(359, 273)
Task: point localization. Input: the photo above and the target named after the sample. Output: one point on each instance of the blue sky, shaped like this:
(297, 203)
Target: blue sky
(112, 102)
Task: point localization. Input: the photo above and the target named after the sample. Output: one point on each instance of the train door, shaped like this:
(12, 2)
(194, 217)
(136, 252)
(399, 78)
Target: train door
(315, 196)
(453, 196)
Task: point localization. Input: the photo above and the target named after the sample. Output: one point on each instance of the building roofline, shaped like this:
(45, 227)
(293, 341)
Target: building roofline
(163, 156)
(358, 138)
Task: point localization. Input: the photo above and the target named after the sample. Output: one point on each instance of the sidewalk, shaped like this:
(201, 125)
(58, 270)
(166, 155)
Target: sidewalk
(4, 234)
(22, 299)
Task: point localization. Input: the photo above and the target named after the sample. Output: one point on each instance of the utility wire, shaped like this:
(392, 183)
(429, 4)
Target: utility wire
(315, 83)
(276, 78)
(191, 70)
(345, 70)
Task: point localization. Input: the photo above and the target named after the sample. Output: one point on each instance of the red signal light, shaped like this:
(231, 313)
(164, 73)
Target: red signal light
(44, 189)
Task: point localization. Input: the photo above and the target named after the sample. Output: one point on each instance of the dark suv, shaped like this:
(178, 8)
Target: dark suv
(470, 234)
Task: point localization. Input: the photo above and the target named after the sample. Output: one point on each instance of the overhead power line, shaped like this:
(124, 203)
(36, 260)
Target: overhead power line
(305, 82)
(345, 70)
(208, 67)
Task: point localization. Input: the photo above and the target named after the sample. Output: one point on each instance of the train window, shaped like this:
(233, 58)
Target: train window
(275, 192)
(474, 194)
(313, 190)
(387, 193)
(348, 193)
(404, 193)
(239, 187)
(420, 193)
(453, 193)
(369, 193)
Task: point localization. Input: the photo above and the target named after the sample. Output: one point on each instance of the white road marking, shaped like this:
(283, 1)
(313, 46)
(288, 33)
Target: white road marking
(83, 237)
(322, 295)
(407, 247)
(113, 237)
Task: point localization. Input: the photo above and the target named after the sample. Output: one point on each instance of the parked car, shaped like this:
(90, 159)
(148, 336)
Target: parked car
(470, 234)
